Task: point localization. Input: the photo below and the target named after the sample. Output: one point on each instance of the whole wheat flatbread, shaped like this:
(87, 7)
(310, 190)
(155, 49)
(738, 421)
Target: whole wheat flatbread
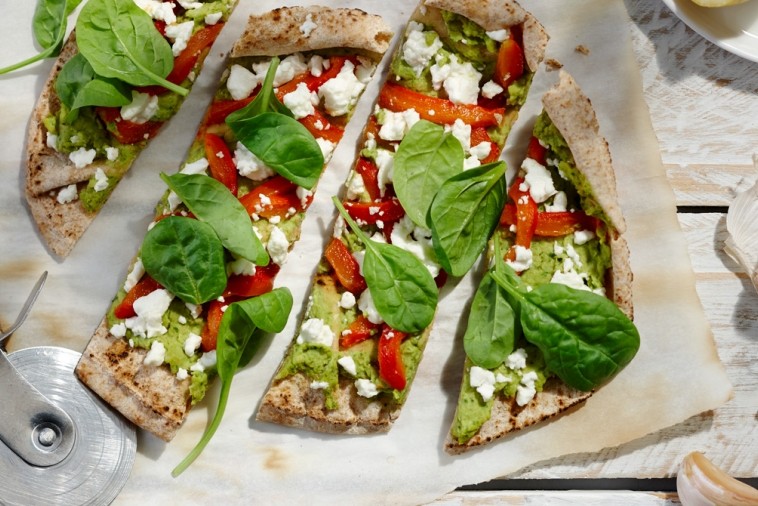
(285, 30)
(151, 396)
(572, 113)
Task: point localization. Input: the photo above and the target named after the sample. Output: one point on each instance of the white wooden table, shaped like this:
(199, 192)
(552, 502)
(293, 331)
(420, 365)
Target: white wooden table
(704, 107)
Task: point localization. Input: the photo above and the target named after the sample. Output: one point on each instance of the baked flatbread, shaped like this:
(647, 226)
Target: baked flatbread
(158, 397)
(60, 214)
(572, 114)
(331, 398)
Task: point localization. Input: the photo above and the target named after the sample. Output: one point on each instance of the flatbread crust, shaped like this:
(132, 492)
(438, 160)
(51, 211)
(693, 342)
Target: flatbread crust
(285, 30)
(573, 115)
(150, 397)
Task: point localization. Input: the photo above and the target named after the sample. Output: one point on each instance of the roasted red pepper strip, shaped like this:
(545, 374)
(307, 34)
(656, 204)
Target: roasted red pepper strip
(221, 162)
(209, 333)
(479, 135)
(127, 132)
(536, 151)
(370, 212)
(553, 224)
(370, 174)
(345, 266)
(359, 330)
(510, 63)
(526, 215)
(219, 110)
(320, 127)
(251, 286)
(185, 62)
(281, 194)
(144, 286)
(443, 112)
(390, 357)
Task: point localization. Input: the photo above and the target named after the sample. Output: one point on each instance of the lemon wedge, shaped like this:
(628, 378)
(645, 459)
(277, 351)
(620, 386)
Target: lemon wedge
(718, 3)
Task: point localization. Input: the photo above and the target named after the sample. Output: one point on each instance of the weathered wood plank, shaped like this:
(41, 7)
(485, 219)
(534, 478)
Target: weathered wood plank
(585, 498)
(709, 185)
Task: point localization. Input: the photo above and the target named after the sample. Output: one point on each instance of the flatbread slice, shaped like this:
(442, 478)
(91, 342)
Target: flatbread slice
(73, 165)
(511, 407)
(331, 379)
(119, 362)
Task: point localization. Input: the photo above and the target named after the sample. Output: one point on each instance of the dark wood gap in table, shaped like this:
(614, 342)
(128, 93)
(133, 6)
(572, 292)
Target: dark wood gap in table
(702, 209)
(635, 484)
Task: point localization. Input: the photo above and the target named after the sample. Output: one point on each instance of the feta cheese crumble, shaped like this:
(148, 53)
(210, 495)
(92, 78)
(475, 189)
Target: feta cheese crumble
(341, 92)
(366, 388)
(67, 194)
(347, 300)
(277, 246)
(348, 364)
(180, 34)
(191, 344)
(367, 307)
(308, 26)
(156, 355)
(141, 108)
(149, 310)
(483, 381)
(301, 101)
(314, 330)
(82, 157)
(101, 180)
(249, 165)
(416, 52)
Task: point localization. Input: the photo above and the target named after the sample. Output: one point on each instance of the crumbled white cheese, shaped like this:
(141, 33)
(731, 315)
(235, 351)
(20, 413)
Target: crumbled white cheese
(498, 35)
(67, 194)
(319, 385)
(365, 70)
(213, 18)
(471, 162)
(206, 361)
(192, 343)
(460, 80)
(182, 374)
(308, 26)
(367, 307)
(52, 141)
(82, 157)
(118, 330)
(516, 360)
(162, 11)
(111, 153)
(156, 355)
(289, 67)
(317, 64)
(240, 266)
(355, 186)
(301, 101)
(326, 147)
(339, 227)
(135, 274)
(347, 300)
(149, 310)
(483, 381)
(571, 279)
(277, 246)
(180, 34)
(249, 165)
(141, 108)
(341, 92)
(491, 89)
(366, 388)
(558, 204)
(194, 309)
(583, 236)
(396, 124)
(348, 364)
(199, 166)
(537, 180)
(416, 52)
(189, 4)
(241, 82)
(526, 390)
(314, 330)
(523, 259)
(101, 180)
(416, 240)
(462, 132)
(303, 194)
(481, 150)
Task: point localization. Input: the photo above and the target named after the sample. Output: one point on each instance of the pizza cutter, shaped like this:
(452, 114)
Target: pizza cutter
(59, 443)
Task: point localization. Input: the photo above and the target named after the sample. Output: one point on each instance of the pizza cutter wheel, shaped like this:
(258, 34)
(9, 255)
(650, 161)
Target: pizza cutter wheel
(59, 443)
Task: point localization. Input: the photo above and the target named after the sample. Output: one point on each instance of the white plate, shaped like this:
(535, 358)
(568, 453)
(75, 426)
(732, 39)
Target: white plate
(734, 28)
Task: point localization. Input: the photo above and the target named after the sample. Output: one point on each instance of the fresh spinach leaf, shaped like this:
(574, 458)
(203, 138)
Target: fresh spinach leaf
(426, 158)
(78, 86)
(584, 337)
(211, 202)
(120, 41)
(185, 256)
(402, 288)
(264, 101)
(268, 129)
(284, 145)
(49, 28)
(490, 332)
(71, 5)
(237, 329)
(464, 213)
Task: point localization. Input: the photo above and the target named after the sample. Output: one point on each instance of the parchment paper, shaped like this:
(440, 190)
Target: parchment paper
(675, 375)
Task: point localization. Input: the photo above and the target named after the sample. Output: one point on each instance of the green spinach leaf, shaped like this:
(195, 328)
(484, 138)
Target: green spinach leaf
(426, 158)
(464, 214)
(402, 288)
(120, 41)
(237, 329)
(268, 129)
(78, 86)
(187, 257)
(49, 28)
(211, 202)
(490, 332)
(71, 5)
(585, 338)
